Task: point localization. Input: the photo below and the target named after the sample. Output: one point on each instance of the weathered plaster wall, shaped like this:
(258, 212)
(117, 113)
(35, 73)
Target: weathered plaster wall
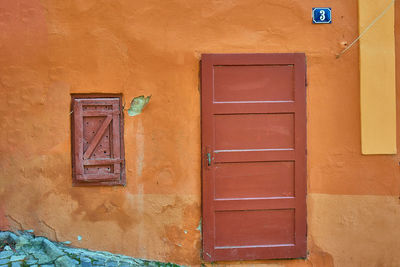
(49, 49)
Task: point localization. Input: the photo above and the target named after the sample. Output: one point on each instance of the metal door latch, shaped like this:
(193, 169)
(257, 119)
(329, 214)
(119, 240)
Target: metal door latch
(209, 158)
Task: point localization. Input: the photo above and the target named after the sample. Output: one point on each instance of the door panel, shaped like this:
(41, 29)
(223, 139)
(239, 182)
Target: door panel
(254, 179)
(253, 83)
(254, 228)
(254, 156)
(254, 131)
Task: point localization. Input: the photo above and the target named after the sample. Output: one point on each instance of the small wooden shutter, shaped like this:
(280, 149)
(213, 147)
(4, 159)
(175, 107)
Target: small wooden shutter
(98, 154)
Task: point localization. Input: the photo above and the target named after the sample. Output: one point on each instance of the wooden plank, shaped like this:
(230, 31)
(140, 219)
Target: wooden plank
(93, 143)
(116, 139)
(97, 177)
(255, 203)
(78, 138)
(98, 113)
(101, 161)
(253, 107)
(253, 155)
(254, 180)
(97, 101)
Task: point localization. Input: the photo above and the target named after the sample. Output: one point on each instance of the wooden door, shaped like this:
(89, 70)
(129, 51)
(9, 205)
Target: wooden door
(253, 156)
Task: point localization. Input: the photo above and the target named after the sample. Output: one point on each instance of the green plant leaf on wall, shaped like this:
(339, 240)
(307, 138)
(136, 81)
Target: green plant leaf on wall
(137, 105)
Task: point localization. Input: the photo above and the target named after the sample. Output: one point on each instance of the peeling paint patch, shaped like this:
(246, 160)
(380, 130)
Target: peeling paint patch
(199, 227)
(137, 105)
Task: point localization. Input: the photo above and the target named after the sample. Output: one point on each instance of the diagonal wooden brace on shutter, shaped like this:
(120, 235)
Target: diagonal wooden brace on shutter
(97, 137)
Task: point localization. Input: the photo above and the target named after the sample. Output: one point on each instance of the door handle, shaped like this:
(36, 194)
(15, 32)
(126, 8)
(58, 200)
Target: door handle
(209, 159)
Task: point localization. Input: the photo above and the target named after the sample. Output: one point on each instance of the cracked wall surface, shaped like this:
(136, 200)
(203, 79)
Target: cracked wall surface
(50, 49)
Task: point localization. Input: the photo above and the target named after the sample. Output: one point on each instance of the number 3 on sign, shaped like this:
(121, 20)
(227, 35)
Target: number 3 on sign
(321, 15)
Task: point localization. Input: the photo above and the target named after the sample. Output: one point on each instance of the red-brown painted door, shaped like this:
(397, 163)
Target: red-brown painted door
(253, 156)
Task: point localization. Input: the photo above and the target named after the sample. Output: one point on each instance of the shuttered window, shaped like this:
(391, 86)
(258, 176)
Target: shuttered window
(97, 140)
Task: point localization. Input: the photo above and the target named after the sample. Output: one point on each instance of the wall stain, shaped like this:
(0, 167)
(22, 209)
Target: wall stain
(93, 210)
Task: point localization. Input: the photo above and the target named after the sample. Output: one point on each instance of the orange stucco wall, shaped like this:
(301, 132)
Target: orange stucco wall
(50, 49)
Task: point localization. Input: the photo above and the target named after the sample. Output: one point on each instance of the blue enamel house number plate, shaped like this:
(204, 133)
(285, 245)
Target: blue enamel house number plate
(321, 15)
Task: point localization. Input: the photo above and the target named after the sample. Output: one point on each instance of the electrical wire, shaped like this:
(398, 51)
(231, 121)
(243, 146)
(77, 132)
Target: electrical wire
(367, 28)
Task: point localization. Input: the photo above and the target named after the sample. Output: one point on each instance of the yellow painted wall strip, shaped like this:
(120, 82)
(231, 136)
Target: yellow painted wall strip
(377, 78)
